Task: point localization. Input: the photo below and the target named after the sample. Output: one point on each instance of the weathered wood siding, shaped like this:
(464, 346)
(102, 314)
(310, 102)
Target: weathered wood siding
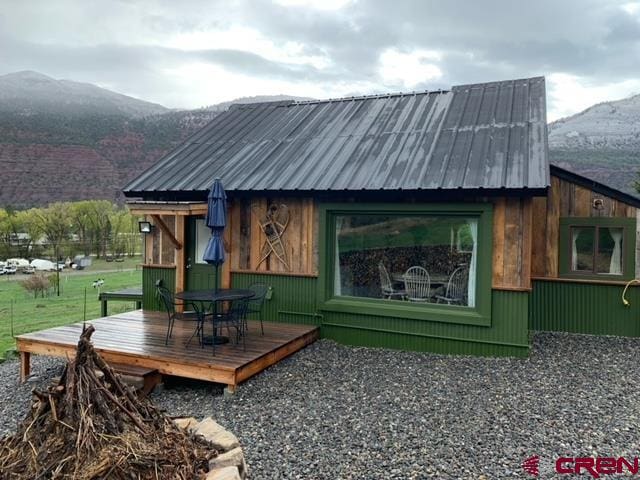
(159, 250)
(247, 240)
(512, 237)
(565, 199)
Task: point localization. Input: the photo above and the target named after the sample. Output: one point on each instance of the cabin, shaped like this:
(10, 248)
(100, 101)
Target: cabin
(427, 221)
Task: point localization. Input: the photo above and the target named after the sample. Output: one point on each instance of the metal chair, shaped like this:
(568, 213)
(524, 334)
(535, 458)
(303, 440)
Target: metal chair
(256, 303)
(417, 284)
(168, 300)
(386, 285)
(234, 317)
(457, 285)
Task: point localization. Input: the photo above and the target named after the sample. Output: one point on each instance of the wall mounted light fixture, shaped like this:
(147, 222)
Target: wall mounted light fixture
(145, 227)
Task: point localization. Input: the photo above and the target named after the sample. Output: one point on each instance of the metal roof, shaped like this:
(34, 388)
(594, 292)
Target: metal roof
(482, 136)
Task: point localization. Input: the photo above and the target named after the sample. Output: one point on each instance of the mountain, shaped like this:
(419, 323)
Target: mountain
(63, 141)
(28, 93)
(220, 107)
(601, 142)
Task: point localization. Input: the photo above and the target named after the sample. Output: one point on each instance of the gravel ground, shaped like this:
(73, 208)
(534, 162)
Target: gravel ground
(336, 412)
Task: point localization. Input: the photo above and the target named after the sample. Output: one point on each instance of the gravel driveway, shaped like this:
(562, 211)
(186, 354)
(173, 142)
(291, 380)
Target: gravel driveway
(336, 412)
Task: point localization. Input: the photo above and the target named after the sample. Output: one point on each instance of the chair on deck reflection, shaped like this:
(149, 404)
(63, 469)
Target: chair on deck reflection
(456, 291)
(417, 284)
(386, 285)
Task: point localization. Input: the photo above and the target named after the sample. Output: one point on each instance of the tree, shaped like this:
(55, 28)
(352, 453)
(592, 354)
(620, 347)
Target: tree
(120, 221)
(55, 222)
(81, 214)
(99, 213)
(27, 221)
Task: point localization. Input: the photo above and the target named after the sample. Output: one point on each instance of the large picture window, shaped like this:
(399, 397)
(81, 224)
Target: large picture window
(597, 247)
(427, 259)
(430, 261)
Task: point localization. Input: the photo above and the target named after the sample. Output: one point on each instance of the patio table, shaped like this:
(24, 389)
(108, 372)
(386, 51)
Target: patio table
(436, 279)
(215, 295)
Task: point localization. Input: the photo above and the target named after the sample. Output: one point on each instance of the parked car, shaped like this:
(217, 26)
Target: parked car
(28, 270)
(9, 270)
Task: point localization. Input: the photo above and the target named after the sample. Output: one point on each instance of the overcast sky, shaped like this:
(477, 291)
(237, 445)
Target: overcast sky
(187, 54)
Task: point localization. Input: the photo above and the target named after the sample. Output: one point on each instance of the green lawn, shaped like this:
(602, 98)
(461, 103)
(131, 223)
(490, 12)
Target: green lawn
(31, 314)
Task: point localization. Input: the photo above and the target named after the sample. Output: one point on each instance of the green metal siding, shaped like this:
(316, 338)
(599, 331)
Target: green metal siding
(294, 301)
(507, 336)
(584, 308)
(149, 277)
(293, 298)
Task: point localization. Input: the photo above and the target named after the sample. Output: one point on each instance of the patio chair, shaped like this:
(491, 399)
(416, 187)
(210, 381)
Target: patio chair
(417, 284)
(386, 285)
(457, 285)
(234, 317)
(256, 303)
(169, 302)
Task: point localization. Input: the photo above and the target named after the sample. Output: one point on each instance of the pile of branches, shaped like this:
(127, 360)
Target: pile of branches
(90, 425)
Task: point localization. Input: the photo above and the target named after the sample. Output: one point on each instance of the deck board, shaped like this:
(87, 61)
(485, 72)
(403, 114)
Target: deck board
(137, 338)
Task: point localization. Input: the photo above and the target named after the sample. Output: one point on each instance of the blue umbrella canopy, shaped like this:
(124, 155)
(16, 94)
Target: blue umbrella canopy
(214, 253)
(217, 206)
(216, 220)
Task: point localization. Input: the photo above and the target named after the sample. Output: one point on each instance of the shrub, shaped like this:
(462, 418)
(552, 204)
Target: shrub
(36, 284)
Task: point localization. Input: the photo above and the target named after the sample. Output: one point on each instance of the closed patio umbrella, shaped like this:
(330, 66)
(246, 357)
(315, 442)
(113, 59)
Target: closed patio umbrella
(216, 220)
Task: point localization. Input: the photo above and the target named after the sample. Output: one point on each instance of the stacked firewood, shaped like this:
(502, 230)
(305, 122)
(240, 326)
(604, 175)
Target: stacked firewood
(90, 425)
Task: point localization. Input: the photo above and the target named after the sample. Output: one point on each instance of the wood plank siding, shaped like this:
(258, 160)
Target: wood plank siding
(245, 240)
(566, 199)
(512, 243)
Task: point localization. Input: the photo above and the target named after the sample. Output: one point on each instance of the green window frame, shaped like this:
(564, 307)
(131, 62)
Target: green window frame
(628, 226)
(479, 315)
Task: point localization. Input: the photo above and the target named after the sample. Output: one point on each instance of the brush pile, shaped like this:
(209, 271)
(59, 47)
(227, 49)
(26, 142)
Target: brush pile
(90, 425)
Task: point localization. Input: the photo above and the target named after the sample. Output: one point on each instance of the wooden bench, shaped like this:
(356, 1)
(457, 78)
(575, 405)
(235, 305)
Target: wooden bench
(127, 294)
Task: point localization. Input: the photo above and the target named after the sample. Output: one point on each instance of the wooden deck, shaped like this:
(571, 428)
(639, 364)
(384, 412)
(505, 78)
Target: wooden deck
(137, 338)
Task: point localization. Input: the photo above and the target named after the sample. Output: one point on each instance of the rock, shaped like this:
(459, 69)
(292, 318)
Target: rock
(188, 423)
(33, 379)
(232, 458)
(221, 439)
(226, 473)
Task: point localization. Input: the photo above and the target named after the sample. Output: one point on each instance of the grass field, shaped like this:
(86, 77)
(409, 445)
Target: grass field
(31, 314)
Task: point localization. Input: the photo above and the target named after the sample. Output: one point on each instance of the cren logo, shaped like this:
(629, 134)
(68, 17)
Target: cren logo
(531, 465)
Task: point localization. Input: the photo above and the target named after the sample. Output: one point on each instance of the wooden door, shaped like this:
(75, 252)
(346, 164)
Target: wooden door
(199, 274)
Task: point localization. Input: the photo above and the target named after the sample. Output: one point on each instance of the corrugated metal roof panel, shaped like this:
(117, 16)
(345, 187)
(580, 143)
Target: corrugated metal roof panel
(489, 136)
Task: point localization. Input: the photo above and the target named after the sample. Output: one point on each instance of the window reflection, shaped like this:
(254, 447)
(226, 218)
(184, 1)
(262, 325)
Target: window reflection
(427, 259)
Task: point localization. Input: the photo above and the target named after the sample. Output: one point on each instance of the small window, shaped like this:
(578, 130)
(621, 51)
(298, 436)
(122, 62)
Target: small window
(203, 234)
(597, 247)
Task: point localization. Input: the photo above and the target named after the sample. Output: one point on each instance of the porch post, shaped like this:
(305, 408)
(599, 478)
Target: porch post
(180, 255)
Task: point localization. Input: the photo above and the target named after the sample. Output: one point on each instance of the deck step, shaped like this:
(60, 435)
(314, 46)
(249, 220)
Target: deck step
(143, 379)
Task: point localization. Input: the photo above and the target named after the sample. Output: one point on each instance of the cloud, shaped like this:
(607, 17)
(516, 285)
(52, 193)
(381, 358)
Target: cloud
(196, 52)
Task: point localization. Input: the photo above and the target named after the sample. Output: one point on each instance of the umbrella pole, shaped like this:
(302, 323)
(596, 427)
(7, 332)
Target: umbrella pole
(217, 278)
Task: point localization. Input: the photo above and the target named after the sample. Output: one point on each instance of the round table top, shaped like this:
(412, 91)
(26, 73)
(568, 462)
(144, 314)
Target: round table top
(215, 295)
